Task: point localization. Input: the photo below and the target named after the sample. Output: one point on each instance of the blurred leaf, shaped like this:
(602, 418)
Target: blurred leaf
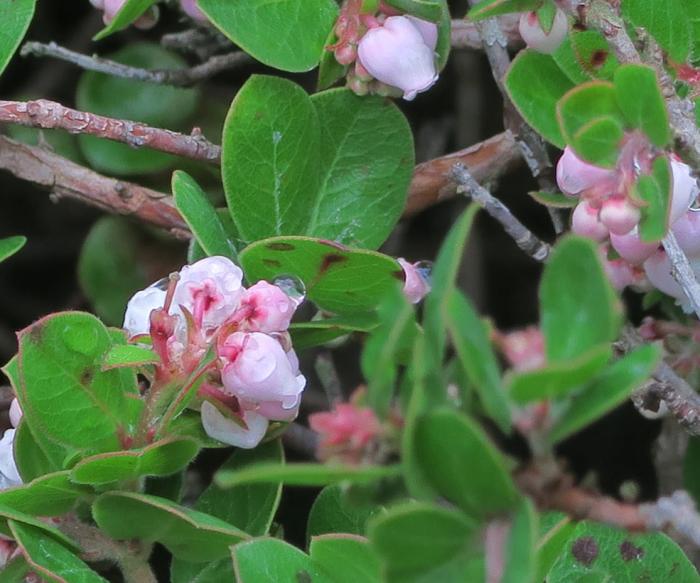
(520, 556)
(554, 199)
(489, 8)
(10, 246)
(430, 10)
(656, 191)
(667, 22)
(316, 332)
(332, 512)
(16, 16)
(15, 570)
(349, 558)
(130, 10)
(268, 559)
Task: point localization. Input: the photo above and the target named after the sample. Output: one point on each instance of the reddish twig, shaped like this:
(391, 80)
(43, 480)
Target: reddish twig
(51, 115)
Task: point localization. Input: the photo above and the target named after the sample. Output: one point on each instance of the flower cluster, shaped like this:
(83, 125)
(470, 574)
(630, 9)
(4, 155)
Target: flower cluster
(255, 378)
(386, 51)
(536, 38)
(610, 214)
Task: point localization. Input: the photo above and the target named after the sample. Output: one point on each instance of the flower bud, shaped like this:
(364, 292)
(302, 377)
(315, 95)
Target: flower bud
(685, 189)
(428, 30)
(397, 54)
(266, 308)
(220, 427)
(259, 370)
(346, 431)
(585, 222)
(536, 38)
(9, 476)
(345, 54)
(619, 272)
(631, 248)
(192, 10)
(574, 176)
(687, 232)
(523, 349)
(658, 269)
(15, 412)
(619, 215)
(137, 319)
(416, 287)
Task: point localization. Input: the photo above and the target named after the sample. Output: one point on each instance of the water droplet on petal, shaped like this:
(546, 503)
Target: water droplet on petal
(292, 286)
(82, 337)
(425, 270)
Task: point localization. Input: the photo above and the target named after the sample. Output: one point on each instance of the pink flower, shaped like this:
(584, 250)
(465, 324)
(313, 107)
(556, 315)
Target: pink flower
(396, 53)
(137, 320)
(266, 308)
(658, 269)
(210, 290)
(536, 38)
(585, 222)
(523, 349)
(687, 232)
(574, 176)
(685, 189)
(112, 7)
(416, 286)
(258, 370)
(192, 10)
(620, 273)
(9, 476)
(347, 430)
(245, 434)
(15, 412)
(619, 215)
(631, 248)
(428, 30)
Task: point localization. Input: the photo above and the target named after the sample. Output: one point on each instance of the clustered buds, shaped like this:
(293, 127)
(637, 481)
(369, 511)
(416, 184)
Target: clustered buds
(255, 378)
(536, 38)
(609, 214)
(387, 51)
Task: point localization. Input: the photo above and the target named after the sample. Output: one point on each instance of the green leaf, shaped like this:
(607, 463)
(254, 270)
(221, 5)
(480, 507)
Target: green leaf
(303, 474)
(462, 465)
(380, 356)
(317, 332)
(130, 356)
(489, 8)
(333, 512)
(520, 555)
(579, 308)
(131, 10)
(586, 115)
(607, 391)
(349, 558)
(337, 278)
(554, 381)
(268, 559)
(558, 531)
(50, 495)
(554, 199)
(36, 456)
(329, 69)
(667, 22)
(426, 9)
(201, 216)
(656, 191)
(162, 458)
(15, 15)
(586, 55)
(10, 246)
(366, 166)
(271, 147)
(286, 34)
(188, 534)
(640, 99)
(15, 570)
(153, 104)
(64, 392)
(248, 507)
(535, 84)
(9, 515)
(109, 269)
(50, 559)
(421, 543)
(629, 558)
(470, 337)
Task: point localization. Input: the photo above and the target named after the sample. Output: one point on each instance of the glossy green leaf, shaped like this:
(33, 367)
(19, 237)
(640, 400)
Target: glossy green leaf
(579, 308)
(366, 164)
(50, 559)
(150, 103)
(554, 199)
(535, 84)
(655, 190)
(419, 543)
(640, 99)
(337, 278)
(320, 331)
(474, 474)
(10, 246)
(131, 10)
(201, 216)
(471, 340)
(64, 392)
(333, 512)
(188, 534)
(303, 474)
(269, 559)
(129, 355)
(607, 391)
(628, 558)
(489, 8)
(667, 22)
(555, 380)
(349, 558)
(162, 458)
(16, 16)
(49, 495)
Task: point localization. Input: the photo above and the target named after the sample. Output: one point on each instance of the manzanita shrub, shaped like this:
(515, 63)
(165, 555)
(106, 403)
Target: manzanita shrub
(418, 473)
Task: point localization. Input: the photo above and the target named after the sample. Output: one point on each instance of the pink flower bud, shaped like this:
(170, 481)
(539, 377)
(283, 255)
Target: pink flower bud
(210, 290)
(574, 176)
(658, 270)
(397, 54)
(220, 427)
(619, 272)
(631, 248)
(428, 30)
(536, 38)
(585, 222)
(15, 413)
(619, 215)
(9, 476)
(111, 9)
(345, 431)
(523, 349)
(416, 286)
(685, 189)
(687, 232)
(345, 54)
(192, 10)
(137, 319)
(273, 410)
(265, 308)
(258, 370)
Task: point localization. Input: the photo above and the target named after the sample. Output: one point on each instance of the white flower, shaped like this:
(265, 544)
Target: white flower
(220, 427)
(137, 319)
(9, 476)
